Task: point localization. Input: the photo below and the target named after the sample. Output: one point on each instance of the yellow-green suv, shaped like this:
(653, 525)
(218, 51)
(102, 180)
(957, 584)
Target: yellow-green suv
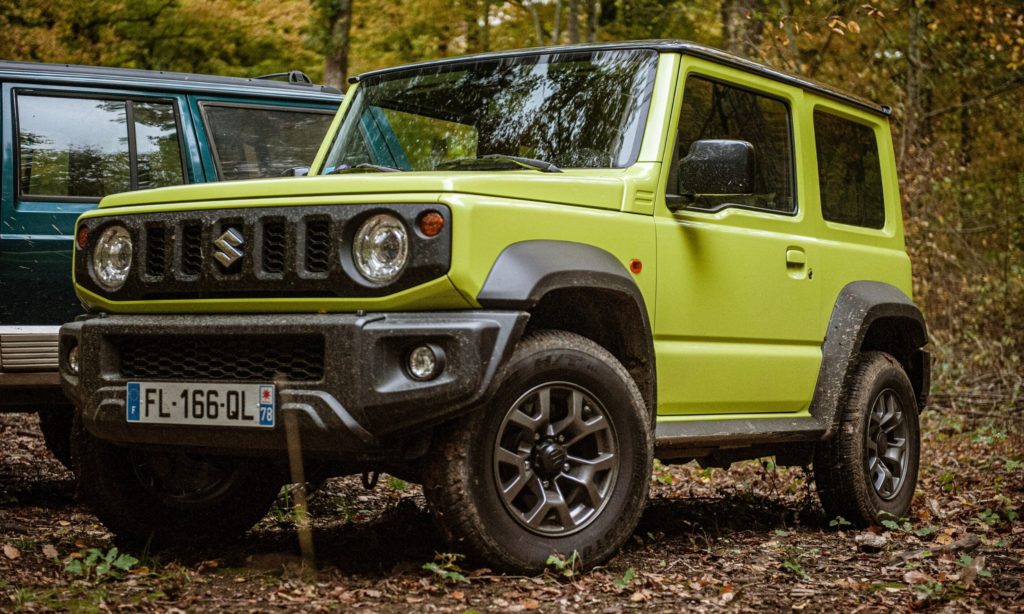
(516, 278)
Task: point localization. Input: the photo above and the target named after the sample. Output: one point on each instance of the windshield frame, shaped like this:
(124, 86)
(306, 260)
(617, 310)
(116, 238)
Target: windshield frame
(635, 130)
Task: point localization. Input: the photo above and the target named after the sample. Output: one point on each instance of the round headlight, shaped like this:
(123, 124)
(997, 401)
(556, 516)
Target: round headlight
(381, 248)
(112, 257)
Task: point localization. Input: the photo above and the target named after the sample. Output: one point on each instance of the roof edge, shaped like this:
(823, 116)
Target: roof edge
(659, 45)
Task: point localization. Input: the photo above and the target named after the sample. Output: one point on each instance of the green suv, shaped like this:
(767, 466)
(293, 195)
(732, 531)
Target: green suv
(516, 278)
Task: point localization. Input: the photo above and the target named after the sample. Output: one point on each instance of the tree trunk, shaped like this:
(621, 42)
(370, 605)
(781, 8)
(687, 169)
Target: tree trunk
(574, 21)
(742, 31)
(592, 20)
(338, 21)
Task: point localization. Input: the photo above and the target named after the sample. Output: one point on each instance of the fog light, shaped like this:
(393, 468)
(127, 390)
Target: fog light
(425, 362)
(73, 360)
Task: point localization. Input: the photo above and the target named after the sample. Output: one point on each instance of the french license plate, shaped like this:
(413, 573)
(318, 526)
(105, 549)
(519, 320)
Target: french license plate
(246, 405)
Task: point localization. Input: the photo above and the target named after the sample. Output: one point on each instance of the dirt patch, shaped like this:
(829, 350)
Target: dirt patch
(751, 538)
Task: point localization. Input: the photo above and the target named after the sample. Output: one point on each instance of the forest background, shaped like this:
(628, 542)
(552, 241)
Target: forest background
(952, 70)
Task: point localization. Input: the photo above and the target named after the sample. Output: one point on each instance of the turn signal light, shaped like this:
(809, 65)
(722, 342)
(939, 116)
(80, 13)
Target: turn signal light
(431, 223)
(83, 236)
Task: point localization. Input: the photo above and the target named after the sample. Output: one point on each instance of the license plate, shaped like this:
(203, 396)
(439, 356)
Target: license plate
(245, 405)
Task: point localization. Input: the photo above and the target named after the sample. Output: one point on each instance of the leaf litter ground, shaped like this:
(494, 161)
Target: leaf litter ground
(749, 539)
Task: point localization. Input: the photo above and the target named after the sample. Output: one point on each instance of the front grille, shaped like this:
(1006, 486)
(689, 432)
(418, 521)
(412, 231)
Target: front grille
(235, 358)
(277, 252)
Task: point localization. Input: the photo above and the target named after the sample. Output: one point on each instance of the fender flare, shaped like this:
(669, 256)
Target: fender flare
(525, 272)
(859, 305)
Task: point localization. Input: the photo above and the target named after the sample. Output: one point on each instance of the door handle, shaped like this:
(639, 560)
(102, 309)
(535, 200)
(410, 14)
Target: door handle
(796, 257)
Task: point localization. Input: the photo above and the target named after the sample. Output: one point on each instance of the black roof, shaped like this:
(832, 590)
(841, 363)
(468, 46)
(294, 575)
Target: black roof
(676, 46)
(38, 72)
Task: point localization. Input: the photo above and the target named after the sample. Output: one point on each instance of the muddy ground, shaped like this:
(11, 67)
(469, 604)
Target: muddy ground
(751, 538)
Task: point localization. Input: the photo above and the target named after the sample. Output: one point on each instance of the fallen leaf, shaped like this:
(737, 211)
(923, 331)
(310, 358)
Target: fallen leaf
(50, 552)
(531, 604)
(971, 572)
(458, 595)
(11, 552)
(916, 577)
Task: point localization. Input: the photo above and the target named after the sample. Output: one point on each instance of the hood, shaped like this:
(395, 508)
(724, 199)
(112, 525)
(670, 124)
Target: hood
(583, 188)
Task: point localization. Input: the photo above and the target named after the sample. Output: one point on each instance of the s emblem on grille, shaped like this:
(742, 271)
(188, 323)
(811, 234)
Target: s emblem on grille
(229, 248)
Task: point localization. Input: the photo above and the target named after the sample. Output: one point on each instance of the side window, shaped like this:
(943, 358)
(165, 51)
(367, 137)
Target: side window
(713, 110)
(72, 147)
(250, 142)
(82, 147)
(849, 172)
(158, 148)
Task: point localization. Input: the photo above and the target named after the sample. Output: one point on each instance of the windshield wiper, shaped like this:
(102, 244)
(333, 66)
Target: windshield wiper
(364, 168)
(497, 162)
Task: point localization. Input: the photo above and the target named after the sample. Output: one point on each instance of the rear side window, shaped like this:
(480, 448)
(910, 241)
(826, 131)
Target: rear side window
(87, 148)
(713, 110)
(849, 172)
(250, 142)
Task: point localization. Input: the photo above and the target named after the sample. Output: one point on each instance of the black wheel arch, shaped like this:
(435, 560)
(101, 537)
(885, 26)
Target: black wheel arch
(581, 289)
(870, 316)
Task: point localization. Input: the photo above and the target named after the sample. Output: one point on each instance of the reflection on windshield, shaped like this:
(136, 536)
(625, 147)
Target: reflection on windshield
(572, 110)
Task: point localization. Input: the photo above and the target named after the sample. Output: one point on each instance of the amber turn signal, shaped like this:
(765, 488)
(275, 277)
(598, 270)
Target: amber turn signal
(431, 223)
(635, 266)
(83, 237)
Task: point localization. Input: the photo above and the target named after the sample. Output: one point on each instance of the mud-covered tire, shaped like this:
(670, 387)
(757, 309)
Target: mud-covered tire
(129, 491)
(878, 410)
(608, 451)
(55, 423)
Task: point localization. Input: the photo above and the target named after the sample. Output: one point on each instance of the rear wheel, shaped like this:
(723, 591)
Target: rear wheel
(170, 498)
(559, 462)
(868, 471)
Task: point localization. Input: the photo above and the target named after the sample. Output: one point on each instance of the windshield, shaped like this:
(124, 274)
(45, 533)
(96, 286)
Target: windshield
(572, 110)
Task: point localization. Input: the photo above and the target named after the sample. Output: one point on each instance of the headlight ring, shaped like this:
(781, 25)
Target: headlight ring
(380, 249)
(112, 257)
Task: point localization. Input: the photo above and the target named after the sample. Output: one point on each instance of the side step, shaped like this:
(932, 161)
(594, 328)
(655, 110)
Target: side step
(692, 439)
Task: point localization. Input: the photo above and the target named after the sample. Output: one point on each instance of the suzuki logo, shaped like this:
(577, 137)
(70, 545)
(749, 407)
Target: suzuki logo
(229, 248)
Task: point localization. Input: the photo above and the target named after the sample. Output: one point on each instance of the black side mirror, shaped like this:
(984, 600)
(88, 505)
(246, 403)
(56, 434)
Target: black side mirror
(296, 171)
(717, 167)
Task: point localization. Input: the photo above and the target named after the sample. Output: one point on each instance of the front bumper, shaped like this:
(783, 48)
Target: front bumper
(341, 375)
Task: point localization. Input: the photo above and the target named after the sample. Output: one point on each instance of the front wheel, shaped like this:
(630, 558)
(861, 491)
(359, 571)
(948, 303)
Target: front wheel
(558, 462)
(868, 471)
(171, 498)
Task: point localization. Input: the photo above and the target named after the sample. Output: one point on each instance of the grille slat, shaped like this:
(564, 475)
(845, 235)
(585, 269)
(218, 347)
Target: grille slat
(273, 246)
(156, 251)
(318, 246)
(191, 249)
(235, 358)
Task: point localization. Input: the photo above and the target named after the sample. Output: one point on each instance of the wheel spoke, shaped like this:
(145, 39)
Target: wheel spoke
(588, 485)
(525, 422)
(573, 422)
(595, 425)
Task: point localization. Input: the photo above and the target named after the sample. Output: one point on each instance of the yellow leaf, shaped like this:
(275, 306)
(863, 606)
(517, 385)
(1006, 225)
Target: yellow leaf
(853, 26)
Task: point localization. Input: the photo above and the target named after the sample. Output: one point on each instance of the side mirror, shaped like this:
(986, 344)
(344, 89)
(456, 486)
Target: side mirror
(717, 167)
(296, 171)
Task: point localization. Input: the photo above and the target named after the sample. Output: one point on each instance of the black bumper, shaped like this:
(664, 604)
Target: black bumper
(342, 376)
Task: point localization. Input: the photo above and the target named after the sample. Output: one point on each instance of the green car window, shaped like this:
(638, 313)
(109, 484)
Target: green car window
(572, 109)
(254, 141)
(158, 157)
(80, 148)
(72, 147)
